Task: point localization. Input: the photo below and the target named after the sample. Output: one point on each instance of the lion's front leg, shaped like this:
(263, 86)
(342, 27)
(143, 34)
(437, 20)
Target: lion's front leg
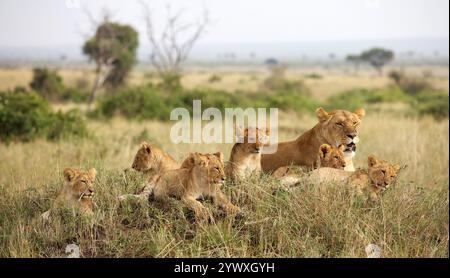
(201, 212)
(222, 201)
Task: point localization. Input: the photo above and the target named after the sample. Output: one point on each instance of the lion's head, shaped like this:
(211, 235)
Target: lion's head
(144, 159)
(340, 127)
(210, 164)
(381, 173)
(252, 139)
(80, 183)
(331, 156)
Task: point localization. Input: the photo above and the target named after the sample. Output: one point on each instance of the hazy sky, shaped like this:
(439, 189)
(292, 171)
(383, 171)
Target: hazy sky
(59, 22)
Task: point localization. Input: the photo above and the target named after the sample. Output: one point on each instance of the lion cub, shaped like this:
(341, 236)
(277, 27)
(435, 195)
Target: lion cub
(76, 192)
(152, 161)
(245, 157)
(200, 175)
(371, 182)
(328, 156)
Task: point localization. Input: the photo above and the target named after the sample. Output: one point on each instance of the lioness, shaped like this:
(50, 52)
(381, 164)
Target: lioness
(245, 157)
(371, 182)
(152, 161)
(77, 191)
(334, 128)
(201, 175)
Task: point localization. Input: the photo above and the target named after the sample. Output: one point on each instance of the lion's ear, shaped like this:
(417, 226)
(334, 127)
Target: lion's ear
(92, 173)
(189, 162)
(360, 113)
(219, 155)
(147, 147)
(372, 160)
(396, 168)
(324, 150)
(69, 174)
(322, 115)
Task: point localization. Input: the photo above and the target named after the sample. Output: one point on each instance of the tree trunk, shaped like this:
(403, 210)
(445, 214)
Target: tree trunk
(99, 79)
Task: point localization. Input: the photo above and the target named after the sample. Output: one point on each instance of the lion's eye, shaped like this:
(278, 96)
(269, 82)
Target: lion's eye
(355, 123)
(339, 124)
(383, 171)
(336, 157)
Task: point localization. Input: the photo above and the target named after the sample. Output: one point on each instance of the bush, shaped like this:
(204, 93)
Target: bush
(47, 83)
(63, 125)
(414, 87)
(433, 103)
(25, 116)
(277, 81)
(75, 95)
(148, 102)
(410, 85)
(136, 102)
(214, 78)
(292, 100)
(357, 98)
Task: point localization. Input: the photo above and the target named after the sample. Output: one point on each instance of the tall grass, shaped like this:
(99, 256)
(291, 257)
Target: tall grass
(410, 221)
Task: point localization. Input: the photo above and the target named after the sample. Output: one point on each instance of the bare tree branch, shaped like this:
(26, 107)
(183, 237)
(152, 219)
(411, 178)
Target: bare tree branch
(172, 47)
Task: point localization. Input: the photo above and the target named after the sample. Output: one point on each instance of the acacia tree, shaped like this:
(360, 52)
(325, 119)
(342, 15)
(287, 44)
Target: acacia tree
(113, 49)
(377, 58)
(171, 47)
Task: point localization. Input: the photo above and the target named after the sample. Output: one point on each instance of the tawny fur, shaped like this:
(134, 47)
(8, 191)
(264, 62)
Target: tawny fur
(201, 175)
(151, 161)
(77, 191)
(327, 156)
(334, 128)
(245, 157)
(370, 182)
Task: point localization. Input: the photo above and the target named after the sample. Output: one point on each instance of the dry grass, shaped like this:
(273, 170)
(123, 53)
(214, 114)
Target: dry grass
(411, 221)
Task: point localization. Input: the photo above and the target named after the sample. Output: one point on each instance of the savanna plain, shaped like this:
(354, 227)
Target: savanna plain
(410, 220)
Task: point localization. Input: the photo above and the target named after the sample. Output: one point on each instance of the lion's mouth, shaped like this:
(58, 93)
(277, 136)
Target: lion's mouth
(87, 195)
(350, 147)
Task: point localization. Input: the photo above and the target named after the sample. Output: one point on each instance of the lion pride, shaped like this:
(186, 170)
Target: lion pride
(334, 128)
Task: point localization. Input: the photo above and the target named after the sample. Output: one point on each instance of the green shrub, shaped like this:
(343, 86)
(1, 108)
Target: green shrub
(75, 95)
(433, 103)
(148, 102)
(410, 85)
(354, 99)
(413, 87)
(47, 83)
(292, 100)
(25, 116)
(136, 102)
(69, 124)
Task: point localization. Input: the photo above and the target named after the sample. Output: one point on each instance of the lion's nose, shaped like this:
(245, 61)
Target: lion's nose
(351, 136)
(223, 178)
(133, 166)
